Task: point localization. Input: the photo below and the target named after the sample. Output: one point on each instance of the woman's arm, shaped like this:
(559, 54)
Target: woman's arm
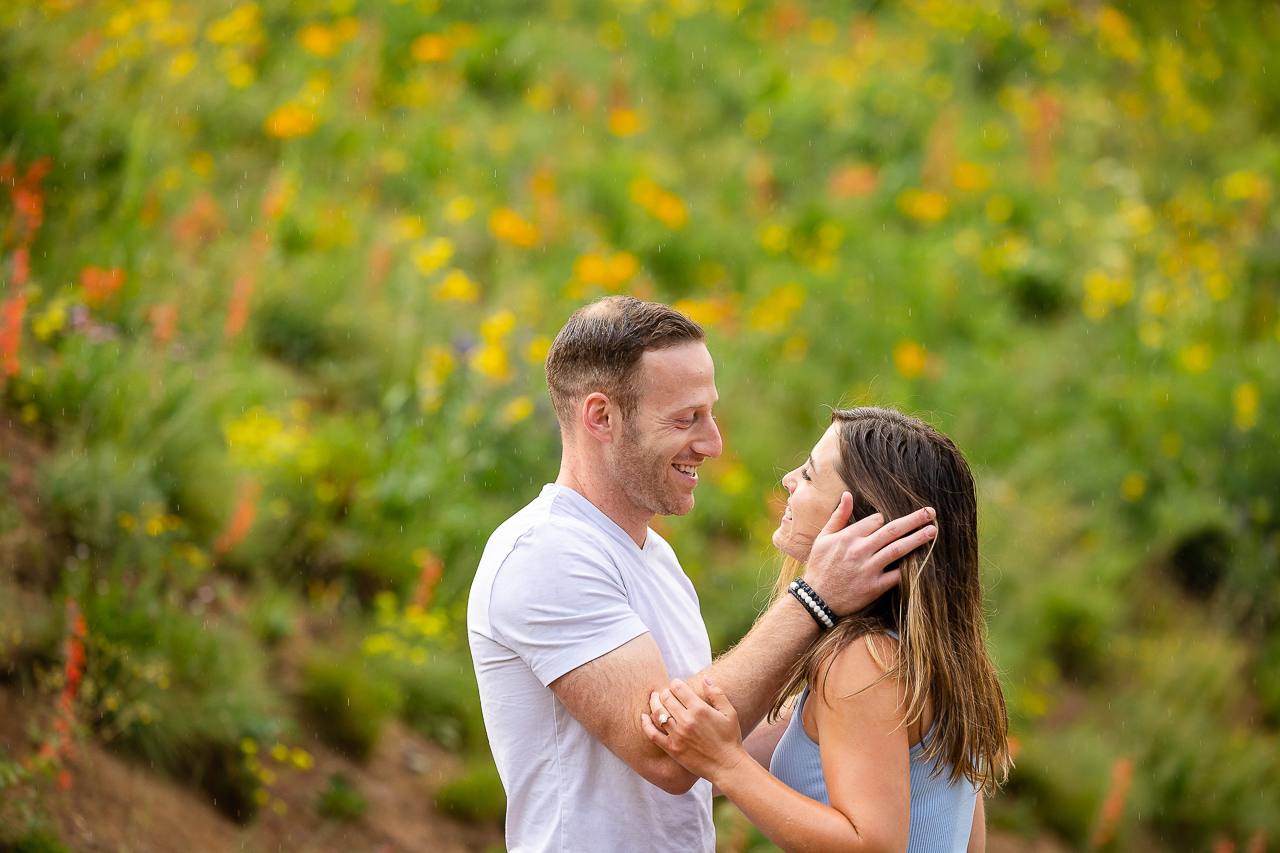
(763, 740)
(978, 835)
(865, 755)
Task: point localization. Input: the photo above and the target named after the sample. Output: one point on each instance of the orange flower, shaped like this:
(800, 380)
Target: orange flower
(291, 121)
(11, 313)
(1113, 805)
(164, 321)
(100, 284)
(238, 307)
(241, 518)
(853, 182)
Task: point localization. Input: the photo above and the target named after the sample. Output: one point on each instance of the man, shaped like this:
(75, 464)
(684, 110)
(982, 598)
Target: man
(579, 611)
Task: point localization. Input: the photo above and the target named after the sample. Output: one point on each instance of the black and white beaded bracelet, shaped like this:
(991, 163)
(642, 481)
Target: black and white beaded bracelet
(818, 609)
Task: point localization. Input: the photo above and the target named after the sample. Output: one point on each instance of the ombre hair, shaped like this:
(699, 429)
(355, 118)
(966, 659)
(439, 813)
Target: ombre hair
(894, 464)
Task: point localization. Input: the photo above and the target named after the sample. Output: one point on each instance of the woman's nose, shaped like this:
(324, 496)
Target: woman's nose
(789, 481)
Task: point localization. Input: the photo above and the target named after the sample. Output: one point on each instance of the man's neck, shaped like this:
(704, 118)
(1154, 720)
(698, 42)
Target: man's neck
(606, 496)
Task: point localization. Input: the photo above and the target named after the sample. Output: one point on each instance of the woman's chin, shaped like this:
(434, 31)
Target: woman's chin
(784, 543)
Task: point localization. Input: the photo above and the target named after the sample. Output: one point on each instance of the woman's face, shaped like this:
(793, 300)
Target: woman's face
(815, 490)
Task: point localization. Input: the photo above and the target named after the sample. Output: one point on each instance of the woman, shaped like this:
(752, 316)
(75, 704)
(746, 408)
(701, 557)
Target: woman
(899, 720)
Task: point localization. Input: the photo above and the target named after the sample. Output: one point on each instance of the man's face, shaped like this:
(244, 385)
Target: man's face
(655, 461)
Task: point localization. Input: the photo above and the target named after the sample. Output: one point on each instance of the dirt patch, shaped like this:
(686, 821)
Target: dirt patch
(114, 805)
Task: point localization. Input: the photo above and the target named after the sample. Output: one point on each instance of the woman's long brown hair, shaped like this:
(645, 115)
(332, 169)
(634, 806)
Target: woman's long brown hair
(894, 464)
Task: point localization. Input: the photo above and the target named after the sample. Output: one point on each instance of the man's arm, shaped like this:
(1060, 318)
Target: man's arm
(846, 567)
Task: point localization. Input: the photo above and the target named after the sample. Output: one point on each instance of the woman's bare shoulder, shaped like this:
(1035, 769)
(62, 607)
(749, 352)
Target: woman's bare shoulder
(866, 664)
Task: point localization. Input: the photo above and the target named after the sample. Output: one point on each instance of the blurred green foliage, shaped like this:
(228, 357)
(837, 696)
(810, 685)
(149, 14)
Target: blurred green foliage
(279, 304)
(340, 800)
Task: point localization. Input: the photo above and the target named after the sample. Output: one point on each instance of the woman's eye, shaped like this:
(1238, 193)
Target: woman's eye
(805, 475)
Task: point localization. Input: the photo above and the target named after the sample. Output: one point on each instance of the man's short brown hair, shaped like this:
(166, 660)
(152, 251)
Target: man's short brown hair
(600, 347)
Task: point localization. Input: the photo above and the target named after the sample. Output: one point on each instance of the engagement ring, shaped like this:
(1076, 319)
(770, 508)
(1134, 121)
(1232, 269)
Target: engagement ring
(662, 719)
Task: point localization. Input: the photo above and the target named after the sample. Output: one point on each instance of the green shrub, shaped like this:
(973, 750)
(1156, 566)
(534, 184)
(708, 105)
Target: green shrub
(441, 700)
(476, 795)
(348, 702)
(168, 687)
(36, 842)
(340, 800)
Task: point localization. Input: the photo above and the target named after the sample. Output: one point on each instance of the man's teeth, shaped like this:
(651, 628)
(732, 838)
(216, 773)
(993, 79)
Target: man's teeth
(691, 470)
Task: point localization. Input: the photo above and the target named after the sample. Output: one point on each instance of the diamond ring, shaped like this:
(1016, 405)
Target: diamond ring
(662, 719)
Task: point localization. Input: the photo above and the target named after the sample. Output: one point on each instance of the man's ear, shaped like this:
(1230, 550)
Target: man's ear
(600, 417)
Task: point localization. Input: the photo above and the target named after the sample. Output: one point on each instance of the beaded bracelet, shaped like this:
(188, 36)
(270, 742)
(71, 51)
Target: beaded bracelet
(818, 609)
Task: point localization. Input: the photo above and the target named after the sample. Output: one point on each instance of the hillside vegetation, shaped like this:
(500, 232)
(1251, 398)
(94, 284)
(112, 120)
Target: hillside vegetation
(279, 278)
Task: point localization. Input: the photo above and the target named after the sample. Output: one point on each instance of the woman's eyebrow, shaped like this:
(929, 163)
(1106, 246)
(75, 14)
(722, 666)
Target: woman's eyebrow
(812, 466)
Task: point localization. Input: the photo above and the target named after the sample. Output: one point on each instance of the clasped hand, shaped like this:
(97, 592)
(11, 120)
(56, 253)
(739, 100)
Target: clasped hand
(702, 736)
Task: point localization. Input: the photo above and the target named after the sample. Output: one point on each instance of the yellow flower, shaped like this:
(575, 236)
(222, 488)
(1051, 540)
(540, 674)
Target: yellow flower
(971, 177)
(431, 256)
(773, 239)
(241, 75)
(1246, 184)
(909, 358)
(491, 360)
(624, 122)
(1138, 217)
(319, 40)
(457, 287)
(497, 327)
(507, 225)
(51, 322)
(405, 228)
(999, 208)
(290, 121)
(241, 26)
(704, 312)
(1246, 399)
(202, 164)
(538, 349)
(926, 206)
(301, 759)
(774, 311)
(517, 410)
(182, 64)
(667, 207)
(460, 209)
(431, 47)
(1196, 358)
(1133, 486)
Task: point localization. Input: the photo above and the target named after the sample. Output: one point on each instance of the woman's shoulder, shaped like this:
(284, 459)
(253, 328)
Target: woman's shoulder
(867, 661)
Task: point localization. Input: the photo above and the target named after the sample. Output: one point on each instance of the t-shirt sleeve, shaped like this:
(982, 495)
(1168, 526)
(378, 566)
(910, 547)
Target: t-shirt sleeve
(558, 602)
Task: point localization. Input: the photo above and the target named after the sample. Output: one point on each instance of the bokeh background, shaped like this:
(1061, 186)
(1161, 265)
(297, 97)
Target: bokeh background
(279, 279)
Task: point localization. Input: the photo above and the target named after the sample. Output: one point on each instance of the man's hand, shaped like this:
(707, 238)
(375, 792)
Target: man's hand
(847, 564)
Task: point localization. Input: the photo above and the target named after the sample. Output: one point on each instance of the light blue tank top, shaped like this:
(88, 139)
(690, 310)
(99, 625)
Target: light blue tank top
(941, 811)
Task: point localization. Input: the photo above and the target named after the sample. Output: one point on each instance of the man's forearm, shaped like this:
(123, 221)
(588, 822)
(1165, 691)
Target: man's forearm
(753, 671)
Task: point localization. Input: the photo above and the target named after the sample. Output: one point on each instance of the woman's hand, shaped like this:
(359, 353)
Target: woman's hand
(704, 738)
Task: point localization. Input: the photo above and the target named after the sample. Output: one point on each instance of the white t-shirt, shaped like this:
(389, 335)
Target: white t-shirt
(559, 585)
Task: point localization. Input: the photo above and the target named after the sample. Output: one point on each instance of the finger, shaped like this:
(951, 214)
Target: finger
(899, 548)
(671, 701)
(716, 697)
(655, 704)
(654, 733)
(840, 517)
(899, 527)
(684, 693)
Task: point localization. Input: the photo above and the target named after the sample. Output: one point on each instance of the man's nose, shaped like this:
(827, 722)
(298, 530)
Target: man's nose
(709, 444)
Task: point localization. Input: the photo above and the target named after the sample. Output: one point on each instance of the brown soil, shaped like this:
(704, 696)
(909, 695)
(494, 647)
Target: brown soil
(114, 805)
